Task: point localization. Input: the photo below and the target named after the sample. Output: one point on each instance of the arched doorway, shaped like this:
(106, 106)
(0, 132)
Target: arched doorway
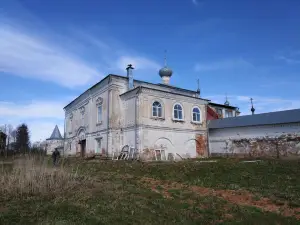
(162, 148)
(81, 141)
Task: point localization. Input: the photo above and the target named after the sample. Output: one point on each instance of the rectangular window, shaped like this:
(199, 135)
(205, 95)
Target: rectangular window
(180, 115)
(228, 113)
(159, 112)
(154, 111)
(176, 114)
(99, 115)
(219, 111)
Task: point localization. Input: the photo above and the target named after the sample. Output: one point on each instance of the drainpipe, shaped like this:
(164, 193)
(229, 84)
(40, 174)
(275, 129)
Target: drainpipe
(135, 125)
(207, 131)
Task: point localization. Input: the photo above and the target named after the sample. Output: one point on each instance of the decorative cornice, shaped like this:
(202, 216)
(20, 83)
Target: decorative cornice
(173, 96)
(203, 130)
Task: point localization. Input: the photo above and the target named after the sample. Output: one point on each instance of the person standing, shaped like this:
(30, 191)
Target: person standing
(55, 157)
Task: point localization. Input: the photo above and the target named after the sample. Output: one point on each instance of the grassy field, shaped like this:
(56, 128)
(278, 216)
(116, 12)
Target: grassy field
(118, 192)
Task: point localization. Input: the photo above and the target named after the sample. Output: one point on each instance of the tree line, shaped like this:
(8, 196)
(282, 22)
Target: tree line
(15, 141)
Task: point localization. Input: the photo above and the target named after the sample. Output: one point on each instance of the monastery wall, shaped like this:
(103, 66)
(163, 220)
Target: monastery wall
(281, 140)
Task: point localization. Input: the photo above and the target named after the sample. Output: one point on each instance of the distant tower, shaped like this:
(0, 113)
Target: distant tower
(165, 73)
(226, 101)
(252, 108)
(198, 89)
(130, 76)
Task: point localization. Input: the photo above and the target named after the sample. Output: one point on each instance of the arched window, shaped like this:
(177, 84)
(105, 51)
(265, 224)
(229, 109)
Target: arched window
(178, 113)
(156, 109)
(196, 114)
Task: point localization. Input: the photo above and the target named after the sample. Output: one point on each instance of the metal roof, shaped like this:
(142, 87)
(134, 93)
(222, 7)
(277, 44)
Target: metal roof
(222, 105)
(55, 134)
(138, 81)
(287, 116)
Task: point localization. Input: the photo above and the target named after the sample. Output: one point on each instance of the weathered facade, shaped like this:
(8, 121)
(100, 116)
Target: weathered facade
(152, 118)
(275, 134)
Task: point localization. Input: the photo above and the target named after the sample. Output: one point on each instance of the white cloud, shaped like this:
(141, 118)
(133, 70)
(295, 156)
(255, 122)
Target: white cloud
(223, 65)
(41, 130)
(32, 110)
(26, 55)
(40, 116)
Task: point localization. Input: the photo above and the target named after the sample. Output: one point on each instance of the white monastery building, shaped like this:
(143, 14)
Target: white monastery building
(152, 119)
(120, 117)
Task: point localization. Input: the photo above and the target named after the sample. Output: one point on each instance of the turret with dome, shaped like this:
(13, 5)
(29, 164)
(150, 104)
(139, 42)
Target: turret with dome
(165, 73)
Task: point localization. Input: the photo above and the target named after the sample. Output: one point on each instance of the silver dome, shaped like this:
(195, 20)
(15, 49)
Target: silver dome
(165, 72)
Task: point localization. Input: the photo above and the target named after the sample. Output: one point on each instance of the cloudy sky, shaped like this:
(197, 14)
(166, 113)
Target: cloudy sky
(53, 50)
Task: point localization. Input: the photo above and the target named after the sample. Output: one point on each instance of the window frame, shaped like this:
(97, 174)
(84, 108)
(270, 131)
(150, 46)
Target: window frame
(200, 115)
(161, 109)
(227, 113)
(182, 112)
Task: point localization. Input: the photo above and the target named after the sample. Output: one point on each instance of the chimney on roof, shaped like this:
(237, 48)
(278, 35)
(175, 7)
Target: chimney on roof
(198, 89)
(130, 76)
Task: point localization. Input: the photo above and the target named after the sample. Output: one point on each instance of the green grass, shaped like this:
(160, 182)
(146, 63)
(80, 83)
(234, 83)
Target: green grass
(115, 194)
(272, 178)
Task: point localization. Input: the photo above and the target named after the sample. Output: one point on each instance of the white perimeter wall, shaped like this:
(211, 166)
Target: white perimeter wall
(218, 137)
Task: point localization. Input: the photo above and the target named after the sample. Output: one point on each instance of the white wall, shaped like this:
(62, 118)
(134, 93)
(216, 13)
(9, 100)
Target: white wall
(219, 137)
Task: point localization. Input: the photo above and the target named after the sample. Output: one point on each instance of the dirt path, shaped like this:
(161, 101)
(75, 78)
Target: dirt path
(244, 198)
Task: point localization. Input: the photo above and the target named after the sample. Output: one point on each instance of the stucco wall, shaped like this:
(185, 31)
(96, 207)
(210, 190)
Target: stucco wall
(77, 123)
(52, 144)
(280, 140)
(168, 101)
(127, 120)
(181, 142)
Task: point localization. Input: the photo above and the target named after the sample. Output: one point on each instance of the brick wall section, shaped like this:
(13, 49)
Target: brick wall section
(201, 146)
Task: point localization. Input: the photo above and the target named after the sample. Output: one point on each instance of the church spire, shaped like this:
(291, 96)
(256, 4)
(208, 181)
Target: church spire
(226, 100)
(252, 108)
(165, 59)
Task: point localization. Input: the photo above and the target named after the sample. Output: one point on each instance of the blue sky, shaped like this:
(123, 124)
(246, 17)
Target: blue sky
(51, 51)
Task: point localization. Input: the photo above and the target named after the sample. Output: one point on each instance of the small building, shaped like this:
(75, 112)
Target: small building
(222, 111)
(55, 141)
(274, 134)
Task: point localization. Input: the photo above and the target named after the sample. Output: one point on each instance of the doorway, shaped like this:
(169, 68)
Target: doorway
(82, 147)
